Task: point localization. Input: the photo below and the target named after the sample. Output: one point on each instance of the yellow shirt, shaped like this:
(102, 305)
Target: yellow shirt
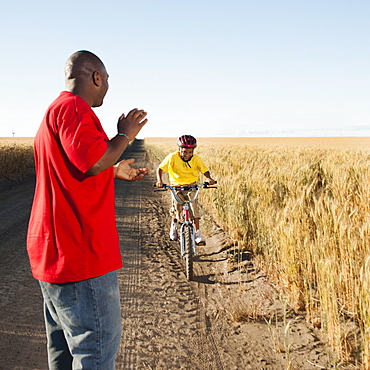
(180, 172)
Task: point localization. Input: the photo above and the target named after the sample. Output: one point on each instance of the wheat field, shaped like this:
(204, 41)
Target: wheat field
(16, 158)
(302, 207)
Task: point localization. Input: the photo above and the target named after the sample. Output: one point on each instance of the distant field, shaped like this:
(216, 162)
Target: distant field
(324, 142)
(26, 140)
(334, 142)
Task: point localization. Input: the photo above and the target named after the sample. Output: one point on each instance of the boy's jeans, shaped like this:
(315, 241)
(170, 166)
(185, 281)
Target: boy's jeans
(83, 323)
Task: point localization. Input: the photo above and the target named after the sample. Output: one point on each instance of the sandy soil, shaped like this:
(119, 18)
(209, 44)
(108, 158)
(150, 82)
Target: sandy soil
(168, 322)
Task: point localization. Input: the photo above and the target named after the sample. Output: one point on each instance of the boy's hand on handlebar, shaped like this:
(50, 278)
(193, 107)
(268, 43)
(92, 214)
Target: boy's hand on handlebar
(123, 171)
(211, 181)
(159, 184)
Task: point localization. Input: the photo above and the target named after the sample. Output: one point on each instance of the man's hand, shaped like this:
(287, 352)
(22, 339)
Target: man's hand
(132, 123)
(123, 171)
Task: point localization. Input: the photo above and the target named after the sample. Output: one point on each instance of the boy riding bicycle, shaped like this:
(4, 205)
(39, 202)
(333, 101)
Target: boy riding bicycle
(183, 167)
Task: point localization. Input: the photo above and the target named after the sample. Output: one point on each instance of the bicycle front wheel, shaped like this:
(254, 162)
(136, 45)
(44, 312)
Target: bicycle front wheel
(189, 253)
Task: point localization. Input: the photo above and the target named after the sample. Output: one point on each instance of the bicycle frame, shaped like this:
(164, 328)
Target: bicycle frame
(187, 222)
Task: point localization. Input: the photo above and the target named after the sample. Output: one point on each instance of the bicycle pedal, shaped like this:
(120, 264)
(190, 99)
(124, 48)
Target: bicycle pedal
(201, 243)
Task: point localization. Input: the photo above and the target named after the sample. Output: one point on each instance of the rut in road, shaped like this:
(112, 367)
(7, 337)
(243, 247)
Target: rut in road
(164, 324)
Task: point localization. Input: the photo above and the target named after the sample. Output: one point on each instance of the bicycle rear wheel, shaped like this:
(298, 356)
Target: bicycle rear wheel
(188, 253)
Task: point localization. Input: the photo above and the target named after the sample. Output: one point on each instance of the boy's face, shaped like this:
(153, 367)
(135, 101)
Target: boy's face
(186, 153)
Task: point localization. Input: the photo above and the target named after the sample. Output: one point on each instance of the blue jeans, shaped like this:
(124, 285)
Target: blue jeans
(83, 323)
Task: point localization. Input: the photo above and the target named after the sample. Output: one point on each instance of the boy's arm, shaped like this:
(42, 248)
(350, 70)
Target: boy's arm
(204, 170)
(209, 178)
(159, 183)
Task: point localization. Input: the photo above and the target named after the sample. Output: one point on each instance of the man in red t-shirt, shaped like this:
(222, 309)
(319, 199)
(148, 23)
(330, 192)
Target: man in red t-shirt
(72, 241)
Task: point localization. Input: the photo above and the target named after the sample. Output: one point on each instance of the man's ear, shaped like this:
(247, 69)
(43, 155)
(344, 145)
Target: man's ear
(96, 78)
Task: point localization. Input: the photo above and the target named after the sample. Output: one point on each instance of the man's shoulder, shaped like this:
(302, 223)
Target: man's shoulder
(68, 100)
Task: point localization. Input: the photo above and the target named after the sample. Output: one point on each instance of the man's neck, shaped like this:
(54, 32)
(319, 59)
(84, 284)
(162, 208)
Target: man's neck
(78, 90)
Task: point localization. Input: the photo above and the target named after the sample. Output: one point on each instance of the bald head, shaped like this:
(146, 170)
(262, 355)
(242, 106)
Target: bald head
(81, 65)
(86, 76)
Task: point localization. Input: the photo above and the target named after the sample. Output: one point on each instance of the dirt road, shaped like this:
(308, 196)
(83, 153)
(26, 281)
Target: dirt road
(168, 322)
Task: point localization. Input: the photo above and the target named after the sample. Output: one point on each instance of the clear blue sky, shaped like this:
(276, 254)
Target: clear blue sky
(202, 67)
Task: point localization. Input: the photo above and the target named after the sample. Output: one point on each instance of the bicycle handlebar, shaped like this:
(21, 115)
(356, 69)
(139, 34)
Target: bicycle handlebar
(204, 185)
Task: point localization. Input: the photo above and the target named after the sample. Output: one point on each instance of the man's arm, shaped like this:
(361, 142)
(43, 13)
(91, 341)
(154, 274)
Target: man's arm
(130, 126)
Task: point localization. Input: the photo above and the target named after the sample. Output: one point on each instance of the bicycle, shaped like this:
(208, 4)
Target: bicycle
(187, 230)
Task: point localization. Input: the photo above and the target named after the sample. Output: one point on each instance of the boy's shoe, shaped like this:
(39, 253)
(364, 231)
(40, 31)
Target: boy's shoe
(199, 238)
(173, 231)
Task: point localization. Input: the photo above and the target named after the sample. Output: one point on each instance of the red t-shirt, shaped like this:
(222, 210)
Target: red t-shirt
(72, 233)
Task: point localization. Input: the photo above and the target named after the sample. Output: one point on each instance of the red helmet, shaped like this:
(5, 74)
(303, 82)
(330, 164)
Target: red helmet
(187, 141)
